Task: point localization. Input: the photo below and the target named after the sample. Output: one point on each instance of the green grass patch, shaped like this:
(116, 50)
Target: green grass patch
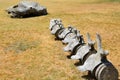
(21, 45)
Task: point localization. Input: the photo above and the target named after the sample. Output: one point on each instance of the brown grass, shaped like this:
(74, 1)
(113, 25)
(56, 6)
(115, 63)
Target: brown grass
(48, 61)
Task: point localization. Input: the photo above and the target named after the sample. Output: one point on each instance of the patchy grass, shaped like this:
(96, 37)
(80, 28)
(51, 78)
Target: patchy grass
(47, 61)
(20, 46)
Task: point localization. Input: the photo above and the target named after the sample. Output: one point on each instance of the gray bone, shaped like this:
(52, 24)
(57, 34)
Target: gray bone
(74, 42)
(55, 24)
(71, 36)
(66, 31)
(26, 8)
(94, 59)
(84, 49)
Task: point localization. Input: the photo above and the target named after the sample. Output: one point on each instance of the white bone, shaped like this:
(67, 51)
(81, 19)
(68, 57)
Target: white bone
(71, 36)
(74, 42)
(55, 29)
(71, 45)
(66, 30)
(55, 24)
(81, 52)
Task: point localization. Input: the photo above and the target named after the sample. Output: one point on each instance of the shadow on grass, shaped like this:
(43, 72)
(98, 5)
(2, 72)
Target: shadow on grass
(88, 77)
(30, 16)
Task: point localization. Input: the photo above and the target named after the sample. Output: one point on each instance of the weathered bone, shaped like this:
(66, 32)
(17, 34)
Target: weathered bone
(76, 42)
(72, 44)
(100, 49)
(66, 31)
(26, 8)
(90, 42)
(71, 36)
(59, 31)
(103, 71)
(93, 60)
(84, 49)
(55, 24)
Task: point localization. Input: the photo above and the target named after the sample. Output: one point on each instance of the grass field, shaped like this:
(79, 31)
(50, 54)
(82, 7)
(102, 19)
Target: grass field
(29, 52)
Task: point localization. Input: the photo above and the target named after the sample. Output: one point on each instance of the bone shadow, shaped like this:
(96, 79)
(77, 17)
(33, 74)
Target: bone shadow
(30, 16)
(88, 77)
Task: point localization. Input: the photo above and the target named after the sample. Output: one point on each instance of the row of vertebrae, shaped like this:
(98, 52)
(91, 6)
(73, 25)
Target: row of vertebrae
(89, 57)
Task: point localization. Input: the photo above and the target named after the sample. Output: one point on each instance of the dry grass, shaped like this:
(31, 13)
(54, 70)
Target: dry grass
(47, 61)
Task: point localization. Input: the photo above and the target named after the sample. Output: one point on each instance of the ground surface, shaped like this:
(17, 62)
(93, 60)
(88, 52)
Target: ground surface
(29, 52)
